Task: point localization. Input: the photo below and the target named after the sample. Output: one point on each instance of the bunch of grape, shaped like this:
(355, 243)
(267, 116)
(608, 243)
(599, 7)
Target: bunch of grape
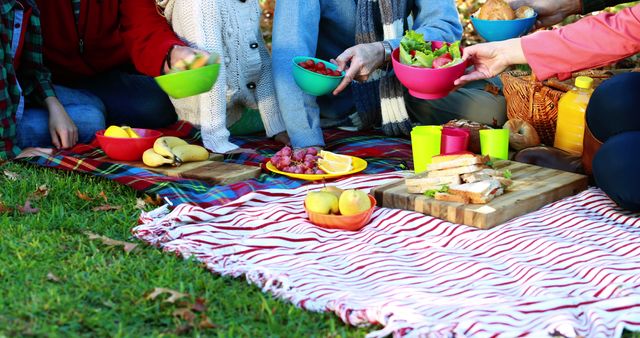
(300, 161)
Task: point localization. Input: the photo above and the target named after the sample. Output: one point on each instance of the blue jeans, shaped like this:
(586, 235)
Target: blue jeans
(131, 99)
(85, 109)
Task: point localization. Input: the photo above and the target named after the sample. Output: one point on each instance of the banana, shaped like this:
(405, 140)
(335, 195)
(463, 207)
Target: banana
(153, 159)
(132, 133)
(164, 144)
(190, 153)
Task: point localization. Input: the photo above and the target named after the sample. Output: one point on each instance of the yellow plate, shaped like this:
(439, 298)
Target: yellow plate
(358, 166)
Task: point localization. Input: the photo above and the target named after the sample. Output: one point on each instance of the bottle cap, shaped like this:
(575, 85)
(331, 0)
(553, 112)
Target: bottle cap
(584, 82)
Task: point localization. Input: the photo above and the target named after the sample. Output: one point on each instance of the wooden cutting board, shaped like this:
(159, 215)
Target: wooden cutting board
(212, 171)
(533, 187)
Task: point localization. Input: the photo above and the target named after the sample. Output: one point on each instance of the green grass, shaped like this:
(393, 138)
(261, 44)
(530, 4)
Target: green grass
(101, 289)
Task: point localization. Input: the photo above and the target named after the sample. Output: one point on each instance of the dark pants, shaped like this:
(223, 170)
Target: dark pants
(613, 116)
(131, 99)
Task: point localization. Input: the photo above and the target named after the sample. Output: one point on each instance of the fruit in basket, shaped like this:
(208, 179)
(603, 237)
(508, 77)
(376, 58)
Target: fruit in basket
(318, 67)
(322, 202)
(132, 133)
(333, 189)
(524, 12)
(116, 131)
(353, 202)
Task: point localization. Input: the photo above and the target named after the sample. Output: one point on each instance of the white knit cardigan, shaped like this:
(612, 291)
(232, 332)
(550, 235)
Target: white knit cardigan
(232, 30)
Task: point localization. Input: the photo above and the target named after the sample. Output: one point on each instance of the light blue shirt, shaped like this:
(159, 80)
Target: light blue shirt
(325, 28)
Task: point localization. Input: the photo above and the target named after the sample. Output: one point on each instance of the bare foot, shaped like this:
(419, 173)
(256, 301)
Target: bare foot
(28, 152)
(283, 138)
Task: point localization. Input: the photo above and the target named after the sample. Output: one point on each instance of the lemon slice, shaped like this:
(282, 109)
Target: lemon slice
(132, 133)
(332, 167)
(115, 131)
(333, 157)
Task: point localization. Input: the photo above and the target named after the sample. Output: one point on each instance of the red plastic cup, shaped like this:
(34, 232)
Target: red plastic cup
(454, 140)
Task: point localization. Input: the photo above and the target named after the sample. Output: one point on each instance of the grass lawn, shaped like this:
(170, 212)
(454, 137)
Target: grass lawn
(55, 281)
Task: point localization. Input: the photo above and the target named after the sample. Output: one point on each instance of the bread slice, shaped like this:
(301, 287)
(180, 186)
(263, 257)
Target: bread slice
(458, 161)
(421, 184)
(484, 174)
(478, 192)
(456, 171)
(443, 196)
(450, 157)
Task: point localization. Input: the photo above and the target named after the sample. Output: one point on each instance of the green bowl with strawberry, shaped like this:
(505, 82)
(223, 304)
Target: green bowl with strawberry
(190, 77)
(315, 76)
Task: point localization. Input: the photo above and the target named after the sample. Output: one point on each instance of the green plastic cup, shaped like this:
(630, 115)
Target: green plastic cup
(495, 143)
(189, 82)
(425, 144)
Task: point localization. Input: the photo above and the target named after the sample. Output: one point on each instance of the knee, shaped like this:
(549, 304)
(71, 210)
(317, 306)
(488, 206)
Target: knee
(613, 105)
(614, 170)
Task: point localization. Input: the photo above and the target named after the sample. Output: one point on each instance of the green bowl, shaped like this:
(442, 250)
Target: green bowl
(189, 82)
(313, 83)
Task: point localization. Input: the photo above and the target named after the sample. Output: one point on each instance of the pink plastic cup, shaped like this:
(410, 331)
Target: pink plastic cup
(454, 140)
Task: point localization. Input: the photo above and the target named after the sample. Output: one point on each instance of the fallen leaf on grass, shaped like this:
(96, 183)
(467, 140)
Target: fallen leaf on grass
(41, 191)
(107, 207)
(5, 209)
(184, 314)
(53, 278)
(199, 305)
(83, 196)
(175, 295)
(11, 175)
(27, 208)
(103, 195)
(148, 200)
(127, 247)
(206, 323)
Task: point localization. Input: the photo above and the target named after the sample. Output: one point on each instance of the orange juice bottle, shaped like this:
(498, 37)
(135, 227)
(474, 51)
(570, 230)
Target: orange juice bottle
(571, 116)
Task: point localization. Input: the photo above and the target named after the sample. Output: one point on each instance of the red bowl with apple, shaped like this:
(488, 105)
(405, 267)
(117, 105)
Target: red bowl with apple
(427, 83)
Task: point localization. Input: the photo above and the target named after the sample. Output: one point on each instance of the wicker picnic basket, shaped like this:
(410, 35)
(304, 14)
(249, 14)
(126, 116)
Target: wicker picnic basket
(537, 101)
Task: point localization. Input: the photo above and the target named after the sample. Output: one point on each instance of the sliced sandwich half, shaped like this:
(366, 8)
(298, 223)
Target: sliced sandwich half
(478, 192)
(454, 161)
(419, 185)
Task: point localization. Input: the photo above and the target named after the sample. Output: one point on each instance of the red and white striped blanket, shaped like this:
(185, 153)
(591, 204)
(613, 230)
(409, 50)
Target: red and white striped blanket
(572, 267)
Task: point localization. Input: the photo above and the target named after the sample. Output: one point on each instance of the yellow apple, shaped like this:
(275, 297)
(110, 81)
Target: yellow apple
(321, 202)
(353, 202)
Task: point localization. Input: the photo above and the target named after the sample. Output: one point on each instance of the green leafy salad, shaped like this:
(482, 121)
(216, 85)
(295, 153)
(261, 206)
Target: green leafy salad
(415, 51)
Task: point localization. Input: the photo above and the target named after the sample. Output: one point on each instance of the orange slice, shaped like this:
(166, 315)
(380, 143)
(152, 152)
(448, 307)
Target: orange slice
(332, 167)
(333, 157)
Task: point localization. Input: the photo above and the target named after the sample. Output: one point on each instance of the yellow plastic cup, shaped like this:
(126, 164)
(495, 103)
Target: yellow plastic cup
(495, 143)
(425, 143)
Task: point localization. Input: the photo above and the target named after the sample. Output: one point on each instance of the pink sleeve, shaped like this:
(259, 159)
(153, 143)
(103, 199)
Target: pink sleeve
(589, 43)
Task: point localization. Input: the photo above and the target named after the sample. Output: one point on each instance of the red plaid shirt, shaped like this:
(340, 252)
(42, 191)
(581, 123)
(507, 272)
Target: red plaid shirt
(34, 78)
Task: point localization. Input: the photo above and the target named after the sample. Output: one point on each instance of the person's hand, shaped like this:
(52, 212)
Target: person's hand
(64, 133)
(491, 59)
(29, 152)
(359, 62)
(550, 12)
(182, 54)
(283, 138)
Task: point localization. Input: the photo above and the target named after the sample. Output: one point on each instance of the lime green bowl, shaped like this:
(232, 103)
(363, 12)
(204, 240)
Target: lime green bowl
(189, 82)
(313, 83)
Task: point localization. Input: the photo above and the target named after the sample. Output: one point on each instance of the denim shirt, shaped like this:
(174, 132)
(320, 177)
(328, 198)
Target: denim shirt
(325, 28)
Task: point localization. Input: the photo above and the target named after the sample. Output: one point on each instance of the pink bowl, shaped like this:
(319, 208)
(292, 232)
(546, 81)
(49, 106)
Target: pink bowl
(127, 149)
(427, 83)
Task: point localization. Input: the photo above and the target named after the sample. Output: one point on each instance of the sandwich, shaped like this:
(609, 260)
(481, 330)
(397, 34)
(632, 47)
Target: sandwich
(419, 185)
(447, 197)
(478, 192)
(453, 161)
(456, 171)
